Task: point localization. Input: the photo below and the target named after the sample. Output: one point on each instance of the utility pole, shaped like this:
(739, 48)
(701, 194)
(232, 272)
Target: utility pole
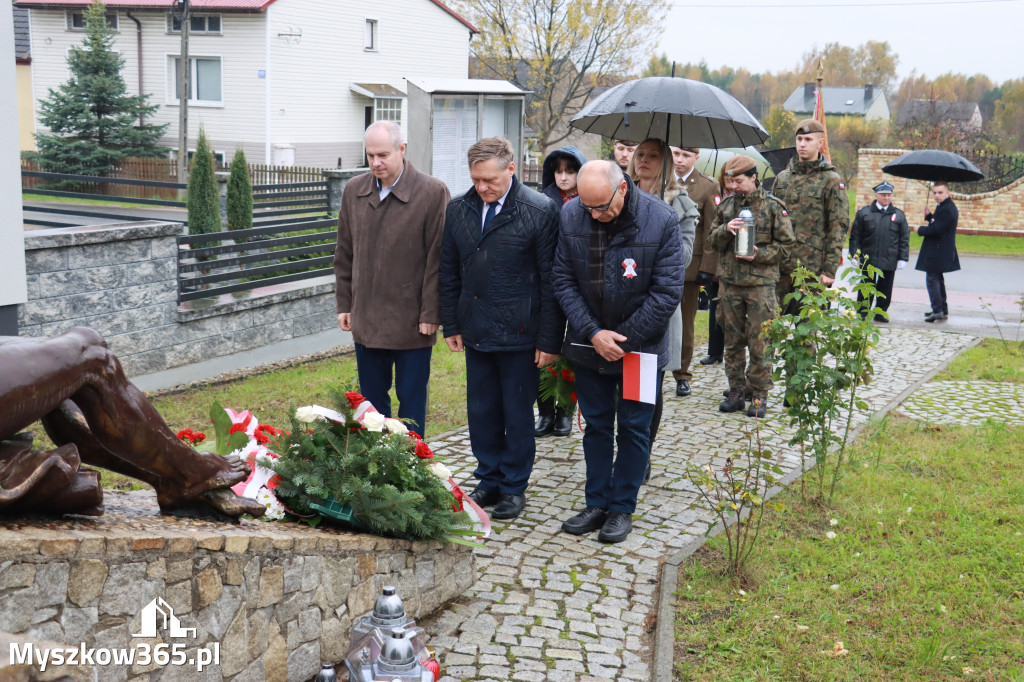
(181, 10)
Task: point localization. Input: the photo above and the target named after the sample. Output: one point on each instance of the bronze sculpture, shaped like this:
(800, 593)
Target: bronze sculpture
(74, 384)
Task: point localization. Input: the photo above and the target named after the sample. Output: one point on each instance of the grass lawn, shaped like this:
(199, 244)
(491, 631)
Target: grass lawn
(921, 582)
(990, 360)
(103, 202)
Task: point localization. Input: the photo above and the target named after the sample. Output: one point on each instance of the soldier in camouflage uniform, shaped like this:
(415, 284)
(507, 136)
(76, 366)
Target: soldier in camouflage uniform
(819, 209)
(747, 295)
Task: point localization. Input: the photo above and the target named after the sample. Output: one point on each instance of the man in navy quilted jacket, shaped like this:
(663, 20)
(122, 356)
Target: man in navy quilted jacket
(497, 305)
(618, 275)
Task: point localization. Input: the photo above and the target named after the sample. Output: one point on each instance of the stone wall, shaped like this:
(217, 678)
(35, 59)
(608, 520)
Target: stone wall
(1000, 212)
(278, 599)
(121, 280)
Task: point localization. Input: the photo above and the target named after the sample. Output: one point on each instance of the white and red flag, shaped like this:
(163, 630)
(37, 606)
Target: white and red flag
(640, 377)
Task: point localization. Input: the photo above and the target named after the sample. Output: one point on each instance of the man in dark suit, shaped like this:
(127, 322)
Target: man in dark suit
(497, 305)
(938, 250)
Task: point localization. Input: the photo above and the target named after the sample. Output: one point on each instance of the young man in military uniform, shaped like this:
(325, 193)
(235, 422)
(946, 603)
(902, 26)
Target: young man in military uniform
(747, 296)
(880, 237)
(704, 191)
(819, 209)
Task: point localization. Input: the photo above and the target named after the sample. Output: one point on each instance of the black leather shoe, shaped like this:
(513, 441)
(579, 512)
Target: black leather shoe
(935, 317)
(587, 521)
(747, 393)
(563, 424)
(485, 498)
(711, 360)
(543, 426)
(882, 318)
(509, 507)
(616, 528)
(683, 388)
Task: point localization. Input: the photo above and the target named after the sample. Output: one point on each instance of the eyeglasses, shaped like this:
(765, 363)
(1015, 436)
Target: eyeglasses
(600, 209)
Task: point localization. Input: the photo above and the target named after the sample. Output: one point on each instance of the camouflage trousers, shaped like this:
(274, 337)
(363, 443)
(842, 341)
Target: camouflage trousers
(741, 312)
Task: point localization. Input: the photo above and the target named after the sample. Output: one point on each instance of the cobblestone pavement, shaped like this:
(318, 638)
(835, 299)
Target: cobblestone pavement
(967, 403)
(552, 606)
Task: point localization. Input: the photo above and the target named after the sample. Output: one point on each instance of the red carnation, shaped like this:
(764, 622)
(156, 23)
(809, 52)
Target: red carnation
(415, 436)
(198, 437)
(423, 450)
(572, 396)
(552, 371)
(261, 437)
(268, 429)
(184, 434)
(237, 428)
(354, 399)
(568, 375)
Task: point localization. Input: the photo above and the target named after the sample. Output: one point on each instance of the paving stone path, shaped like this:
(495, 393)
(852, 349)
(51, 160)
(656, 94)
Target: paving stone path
(552, 606)
(967, 403)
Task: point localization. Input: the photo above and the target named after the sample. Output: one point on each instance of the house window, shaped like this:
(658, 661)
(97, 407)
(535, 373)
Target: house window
(219, 158)
(76, 21)
(198, 23)
(204, 80)
(387, 109)
(370, 40)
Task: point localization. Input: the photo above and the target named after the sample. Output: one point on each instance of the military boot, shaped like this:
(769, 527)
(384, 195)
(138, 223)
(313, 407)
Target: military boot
(757, 407)
(734, 402)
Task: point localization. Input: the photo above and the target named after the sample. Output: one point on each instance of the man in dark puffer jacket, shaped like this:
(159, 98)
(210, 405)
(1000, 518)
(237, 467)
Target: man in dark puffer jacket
(497, 305)
(618, 276)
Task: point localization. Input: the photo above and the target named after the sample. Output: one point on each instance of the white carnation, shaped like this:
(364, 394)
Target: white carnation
(395, 426)
(440, 470)
(373, 421)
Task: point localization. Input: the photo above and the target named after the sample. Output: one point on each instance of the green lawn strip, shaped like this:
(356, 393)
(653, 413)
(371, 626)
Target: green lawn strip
(103, 202)
(990, 360)
(926, 567)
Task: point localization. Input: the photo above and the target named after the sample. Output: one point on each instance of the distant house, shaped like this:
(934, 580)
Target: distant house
(868, 102)
(964, 115)
(23, 60)
(291, 81)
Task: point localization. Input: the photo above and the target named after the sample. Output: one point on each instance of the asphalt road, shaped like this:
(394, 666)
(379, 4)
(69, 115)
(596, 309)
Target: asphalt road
(982, 296)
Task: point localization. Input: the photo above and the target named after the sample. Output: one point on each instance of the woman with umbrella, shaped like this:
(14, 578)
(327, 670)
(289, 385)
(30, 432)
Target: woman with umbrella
(652, 170)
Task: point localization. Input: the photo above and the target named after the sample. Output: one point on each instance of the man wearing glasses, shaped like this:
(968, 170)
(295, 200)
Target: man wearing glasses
(618, 275)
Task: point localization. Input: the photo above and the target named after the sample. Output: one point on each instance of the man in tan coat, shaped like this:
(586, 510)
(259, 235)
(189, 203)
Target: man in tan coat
(385, 265)
(704, 191)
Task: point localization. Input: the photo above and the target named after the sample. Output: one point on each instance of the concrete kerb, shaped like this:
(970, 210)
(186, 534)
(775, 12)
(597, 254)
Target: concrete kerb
(664, 635)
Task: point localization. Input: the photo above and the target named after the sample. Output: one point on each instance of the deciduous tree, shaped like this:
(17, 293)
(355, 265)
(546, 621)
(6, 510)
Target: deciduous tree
(561, 50)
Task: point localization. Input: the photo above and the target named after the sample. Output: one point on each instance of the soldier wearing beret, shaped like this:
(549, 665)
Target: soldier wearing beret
(880, 236)
(747, 297)
(705, 192)
(815, 197)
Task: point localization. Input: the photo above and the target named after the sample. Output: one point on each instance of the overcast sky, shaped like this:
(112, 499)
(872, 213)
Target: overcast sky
(931, 37)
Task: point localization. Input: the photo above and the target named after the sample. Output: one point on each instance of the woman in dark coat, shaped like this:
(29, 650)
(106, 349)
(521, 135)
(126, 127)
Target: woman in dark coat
(881, 234)
(558, 179)
(938, 250)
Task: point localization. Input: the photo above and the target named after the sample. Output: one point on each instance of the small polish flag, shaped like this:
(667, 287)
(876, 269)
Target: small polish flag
(640, 377)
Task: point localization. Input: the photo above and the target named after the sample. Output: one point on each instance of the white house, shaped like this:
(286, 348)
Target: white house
(291, 81)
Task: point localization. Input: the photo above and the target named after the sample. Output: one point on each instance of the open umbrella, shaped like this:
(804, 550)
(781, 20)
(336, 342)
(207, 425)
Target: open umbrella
(711, 161)
(680, 111)
(934, 165)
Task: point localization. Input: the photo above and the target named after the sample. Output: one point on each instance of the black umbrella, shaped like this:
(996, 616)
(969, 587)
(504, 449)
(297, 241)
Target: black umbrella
(934, 165)
(680, 111)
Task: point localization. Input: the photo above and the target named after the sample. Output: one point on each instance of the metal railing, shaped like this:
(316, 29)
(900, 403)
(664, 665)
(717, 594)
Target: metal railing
(241, 260)
(295, 198)
(89, 187)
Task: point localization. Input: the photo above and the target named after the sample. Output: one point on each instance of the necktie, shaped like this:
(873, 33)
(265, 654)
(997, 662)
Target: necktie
(492, 208)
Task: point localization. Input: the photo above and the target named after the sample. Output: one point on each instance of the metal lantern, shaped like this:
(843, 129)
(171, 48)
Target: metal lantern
(372, 632)
(397, 662)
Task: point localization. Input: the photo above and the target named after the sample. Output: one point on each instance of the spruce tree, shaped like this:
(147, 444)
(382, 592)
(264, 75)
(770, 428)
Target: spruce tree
(93, 121)
(239, 193)
(203, 199)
